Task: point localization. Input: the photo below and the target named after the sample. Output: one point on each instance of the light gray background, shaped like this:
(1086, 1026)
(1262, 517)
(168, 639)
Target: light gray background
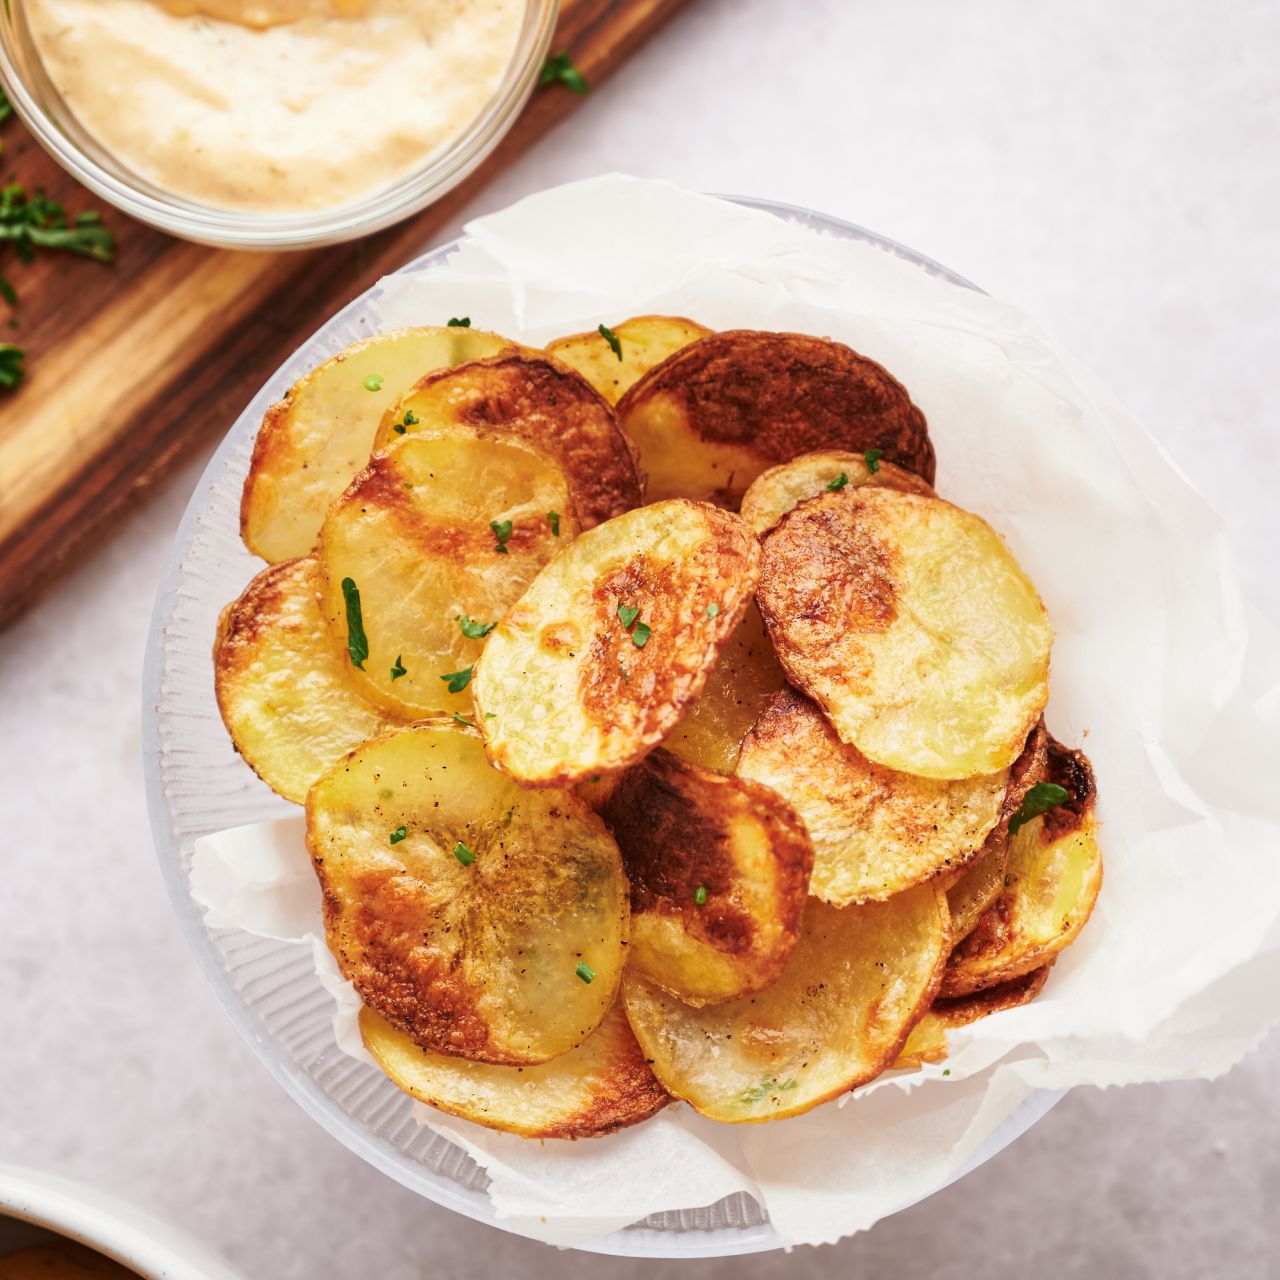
(1109, 164)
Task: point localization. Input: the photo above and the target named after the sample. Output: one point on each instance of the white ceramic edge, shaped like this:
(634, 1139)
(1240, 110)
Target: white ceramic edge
(633, 1241)
(155, 1250)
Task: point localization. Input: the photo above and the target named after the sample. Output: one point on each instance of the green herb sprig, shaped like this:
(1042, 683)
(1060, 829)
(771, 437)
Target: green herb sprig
(559, 69)
(357, 641)
(612, 339)
(1039, 800)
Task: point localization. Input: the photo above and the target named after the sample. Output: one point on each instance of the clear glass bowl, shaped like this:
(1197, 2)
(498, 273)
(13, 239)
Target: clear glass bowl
(196, 784)
(55, 127)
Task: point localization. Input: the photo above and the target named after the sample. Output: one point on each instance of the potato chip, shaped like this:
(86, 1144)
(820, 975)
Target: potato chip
(775, 492)
(601, 1086)
(281, 687)
(483, 921)
(643, 341)
(1053, 878)
(709, 419)
(433, 541)
(613, 641)
(718, 869)
(856, 983)
(875, 832)
(552, 407)
(314, 440)
(908, 621)
(745, 677)
(980, 884)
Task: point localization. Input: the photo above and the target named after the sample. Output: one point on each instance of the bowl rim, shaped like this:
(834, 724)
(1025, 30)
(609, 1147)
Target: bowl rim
(441, 171)
(632, 1241)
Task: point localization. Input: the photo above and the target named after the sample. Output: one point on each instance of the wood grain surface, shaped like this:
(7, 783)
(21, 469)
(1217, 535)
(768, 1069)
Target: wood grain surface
(131, 366)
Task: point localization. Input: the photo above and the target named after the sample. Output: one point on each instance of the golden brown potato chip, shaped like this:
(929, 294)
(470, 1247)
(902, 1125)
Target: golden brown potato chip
(875, 832)
(439, 535)
(552, 407)
(281, 687)
(928, 1039)
(613, 640)
(712, 417)
(745, 677)
(481, 920)
(1053, 878)
(314, 440)
(854, 986)
(643, 341)
(775, 492)
(911, 625)
(601, 1086)
(718, 869)
(983, 878)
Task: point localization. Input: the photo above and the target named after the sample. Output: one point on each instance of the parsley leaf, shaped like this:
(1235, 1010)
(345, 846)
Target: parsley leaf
(872, 459)
(585, 972)
(373, 382)
(399, 669)
(713, 610)
(838, 483)
(700, 895)
(559, 69)
(410, 420)
(471, 629)
(397, 835)
(553, 519)
(463, 854)
(11, 368)
(767, 1086)
(357, 642)
(627, 614)
(456, 323)
(8, 292)
(1040, 799)
(640, 636)
(501, 531)
(461, 719)
(458, 680)
(612, 339)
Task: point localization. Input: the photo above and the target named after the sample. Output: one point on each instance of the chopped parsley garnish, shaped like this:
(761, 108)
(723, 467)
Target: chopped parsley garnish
(946, 1071)
(490, 715)
(612, 339)
(1008, 880)
(463, 322)
(767, 1086)
(373, 382)
(559, 69)
(410, 420)
(11, 368)
(585, 972)
(700, 895)
(397, 835)
(553, 519)
(640, 636)
(357, 642)
(1040, 799)
(471, 629)
(399, 669)
(838, 483)
(501, 531)
(458, 680)
(463, 854)
(713, 610)
(872, 459)
(461, 719)
(627, 614)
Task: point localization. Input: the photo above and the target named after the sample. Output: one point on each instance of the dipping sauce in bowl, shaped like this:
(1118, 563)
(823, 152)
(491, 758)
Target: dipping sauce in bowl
(268, 106)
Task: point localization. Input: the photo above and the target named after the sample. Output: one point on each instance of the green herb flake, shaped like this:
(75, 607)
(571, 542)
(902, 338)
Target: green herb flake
(490, 715)
(399, 669)
(766, 1088)
(463, 322)
(553, 519)
(357, 642)
(872, 459)
(627, 614)
(838, 483)
(458, 680)
(410, 418)
(700, 895)
(8, 292)
(11, 367)
(373, 382)
(471, 629)
(946, 1071)
(506, 817)
(461, 719)
(397, 835)
(713, 610)
(640, 636)
(1040, 799)
(612, 339)
(559, 69)
(398, 428)
(585, 972)
(463, 854)
(501, 531)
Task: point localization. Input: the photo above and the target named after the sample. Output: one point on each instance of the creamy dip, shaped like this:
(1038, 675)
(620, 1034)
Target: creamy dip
(275, 105)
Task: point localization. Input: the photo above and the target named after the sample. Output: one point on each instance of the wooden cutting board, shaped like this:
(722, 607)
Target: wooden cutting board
(131, 366)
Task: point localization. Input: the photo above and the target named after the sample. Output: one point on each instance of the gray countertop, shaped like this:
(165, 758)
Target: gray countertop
(1112, 167)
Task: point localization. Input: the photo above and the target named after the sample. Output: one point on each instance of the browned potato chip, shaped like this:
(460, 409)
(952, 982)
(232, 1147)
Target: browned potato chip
(613, 640)
(712, 417)
(928, 1039)
(1053, 878)
(552, 407)
(775, 492)
(744, 678)
(483, 921)
(314, 440)
(854, 986)
(911, 625)
(983, 878)
(875, 832)
(439, 535)
(718, 870)
(643, 341)
(281, 687)
(601, 1086)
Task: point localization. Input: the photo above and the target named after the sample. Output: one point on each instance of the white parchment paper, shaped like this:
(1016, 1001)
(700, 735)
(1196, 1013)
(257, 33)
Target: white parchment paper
(1162, 674)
